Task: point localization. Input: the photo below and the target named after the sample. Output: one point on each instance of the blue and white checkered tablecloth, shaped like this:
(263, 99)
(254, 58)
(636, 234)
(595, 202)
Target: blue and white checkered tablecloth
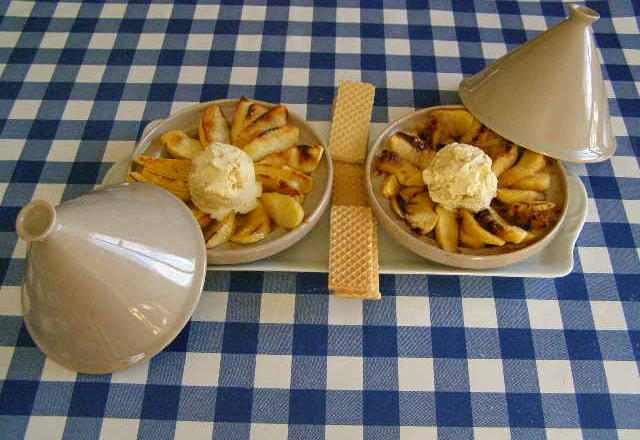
(273, 355)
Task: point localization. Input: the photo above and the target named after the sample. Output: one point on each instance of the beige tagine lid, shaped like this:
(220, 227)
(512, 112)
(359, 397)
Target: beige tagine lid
(548, 95)
(111, 277)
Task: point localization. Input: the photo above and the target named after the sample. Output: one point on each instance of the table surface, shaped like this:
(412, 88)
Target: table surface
(274, 355)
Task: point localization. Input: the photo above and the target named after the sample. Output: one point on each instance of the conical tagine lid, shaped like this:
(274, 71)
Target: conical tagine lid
(111, 277)
(548, 95)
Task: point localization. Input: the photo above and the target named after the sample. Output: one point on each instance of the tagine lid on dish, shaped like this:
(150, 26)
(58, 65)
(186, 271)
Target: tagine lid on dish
(109, 282)
(548, 95)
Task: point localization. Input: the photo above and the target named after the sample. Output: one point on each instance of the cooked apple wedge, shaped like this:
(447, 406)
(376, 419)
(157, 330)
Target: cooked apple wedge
(398, 205)
(284, 210)
(420, 214)
(473, 228)
(532, 215)
(407, 173)
(180, 145)
(538, 182)
(504, 161)
(447, 229)
(221, 231)
(274, 118)
(253, 227)
(239, 116)
(272, 141)
(470, 240)
(283, 179)
(213, 127)
(390, 186)
(528, 165)
(409, 192)
(304, 158)
(411, 148)
(171, 168)
(203, 219)
(492, 222)
(178, 187)
(506, 195)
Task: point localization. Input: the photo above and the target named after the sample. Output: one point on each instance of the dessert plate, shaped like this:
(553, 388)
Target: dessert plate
(311, 254)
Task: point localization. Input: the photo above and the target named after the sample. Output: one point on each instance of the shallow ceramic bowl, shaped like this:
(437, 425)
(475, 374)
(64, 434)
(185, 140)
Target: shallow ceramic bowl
(280, 239)
(427, 247)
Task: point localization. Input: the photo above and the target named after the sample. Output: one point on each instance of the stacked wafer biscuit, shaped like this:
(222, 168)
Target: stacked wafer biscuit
(353, 255)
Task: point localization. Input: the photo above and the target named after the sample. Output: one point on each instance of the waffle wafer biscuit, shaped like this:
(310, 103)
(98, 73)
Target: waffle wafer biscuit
(351, 120)
(348, 184)
(353, 262)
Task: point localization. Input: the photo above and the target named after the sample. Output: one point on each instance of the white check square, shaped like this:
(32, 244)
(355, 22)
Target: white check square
(441, 18)
(51, 192)
(77, 110)
(269, 431)
(159, 11)
(595, 260)
(273, 371)
(40, 73)
(9, 39)
(201, 369)
(622, 377)
(298, 44)
(192, 74)
(249, 43)
(151, 41)
(415, 374)
(277, 308)
(413, 311)
(399, 80)
(592, 211)
(103, 41)
(448, 80)
(130, 110)
(493, 50)
(488, 21)
(554, 376)
(347, 75)
(347, 15)
(632, 56)
(344, 311)
(212, 307)
(55, 372)
(54, 40)
(295, 76)
(206, 12)
(25, 109)
(397, 46)
(479, 312)
(347, 45)
(301, 13)
(19, 9)
(418, 433)
(343, 432)
(49, 427)
(136, 374)
(63, 151)
(254, 13)
(625, 166)
(187, 430)
(534, 22)
(118, 150)
(544, 313)
(120, 429)
(446, 48)
(200, 42)
(608, 315)
(632, 209)
(6, 354)
(625, 25)
(89, 73)
(486, 375)
(564, 434)
(345, 373)
(113, 10)
(11, 149)
(67, 10)
(141, 74)
(395, 16)
(484, 433)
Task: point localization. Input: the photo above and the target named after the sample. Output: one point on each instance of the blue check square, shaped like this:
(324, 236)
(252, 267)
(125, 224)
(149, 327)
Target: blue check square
(595, 411)
(381, 407)
(160, 402)
(583, 344)
(453, 409)
(379, 340)
(307, 407)
(17, 397)
(310, 339)
(448, 342)
(525, 410)
(516, 343)
(233, 405)
(89, 399)
(240, 337)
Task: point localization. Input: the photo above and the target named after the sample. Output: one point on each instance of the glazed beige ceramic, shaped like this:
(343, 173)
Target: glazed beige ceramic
(424, 246)
(548, 95)
(280, 239)
(110, 282)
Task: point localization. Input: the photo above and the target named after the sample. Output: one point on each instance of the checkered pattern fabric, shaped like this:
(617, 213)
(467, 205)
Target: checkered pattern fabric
(273, 355)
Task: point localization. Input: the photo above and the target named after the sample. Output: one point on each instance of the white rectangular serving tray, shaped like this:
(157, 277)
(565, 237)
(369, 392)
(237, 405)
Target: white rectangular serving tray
(311, 254)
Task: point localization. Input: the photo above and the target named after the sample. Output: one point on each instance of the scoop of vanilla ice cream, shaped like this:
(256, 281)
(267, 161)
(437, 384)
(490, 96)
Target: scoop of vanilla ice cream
(222, 179)
(460, 176)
